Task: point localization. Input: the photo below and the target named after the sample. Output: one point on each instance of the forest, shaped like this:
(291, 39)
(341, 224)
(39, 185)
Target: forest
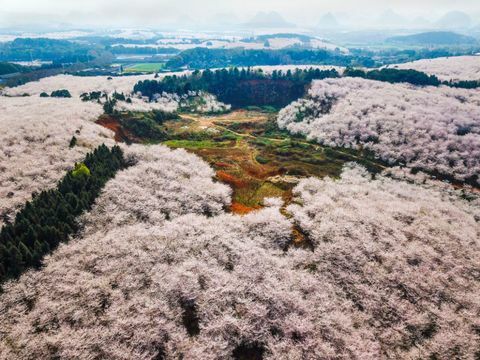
(239, 87)
(50, 217)
(249, 87)
(9, 68)
(59, 51)
(201, 58)
(410, 76)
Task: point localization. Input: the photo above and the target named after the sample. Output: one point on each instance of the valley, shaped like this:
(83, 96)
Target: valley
(247, 151)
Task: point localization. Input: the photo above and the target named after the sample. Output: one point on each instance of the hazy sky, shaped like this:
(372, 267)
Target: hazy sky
(152, 12)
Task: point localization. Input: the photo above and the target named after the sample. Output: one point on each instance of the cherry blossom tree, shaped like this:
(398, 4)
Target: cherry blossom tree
(433, 129)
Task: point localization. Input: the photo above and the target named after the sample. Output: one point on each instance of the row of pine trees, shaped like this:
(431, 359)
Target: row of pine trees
(50, 217)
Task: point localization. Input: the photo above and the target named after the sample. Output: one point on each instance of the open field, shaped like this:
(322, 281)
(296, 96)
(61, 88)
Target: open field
(144, 67)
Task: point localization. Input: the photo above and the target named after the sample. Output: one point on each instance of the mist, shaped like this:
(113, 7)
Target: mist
(206, 14)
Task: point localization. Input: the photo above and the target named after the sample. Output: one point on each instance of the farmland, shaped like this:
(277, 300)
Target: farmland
(144, 68)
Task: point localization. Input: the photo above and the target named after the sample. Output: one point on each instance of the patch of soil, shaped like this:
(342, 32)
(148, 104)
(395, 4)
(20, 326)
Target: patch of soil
(241, 209)
(121, 134)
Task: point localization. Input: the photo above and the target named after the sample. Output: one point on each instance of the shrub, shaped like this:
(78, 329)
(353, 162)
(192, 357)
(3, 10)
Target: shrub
(61, 93)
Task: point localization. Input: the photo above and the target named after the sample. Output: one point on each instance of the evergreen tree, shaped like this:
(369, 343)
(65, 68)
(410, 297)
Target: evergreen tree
(49, 218)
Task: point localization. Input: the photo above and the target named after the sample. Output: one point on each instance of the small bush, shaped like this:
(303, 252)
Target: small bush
(61, 93)
(262, 160)
(73, 142)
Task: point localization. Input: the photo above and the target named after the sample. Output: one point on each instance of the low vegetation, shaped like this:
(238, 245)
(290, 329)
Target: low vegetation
(246, 149)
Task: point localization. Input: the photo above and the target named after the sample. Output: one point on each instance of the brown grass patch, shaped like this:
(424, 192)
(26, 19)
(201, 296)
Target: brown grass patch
(121, 134)
(241, 209)
(231, 179)
(223, 165)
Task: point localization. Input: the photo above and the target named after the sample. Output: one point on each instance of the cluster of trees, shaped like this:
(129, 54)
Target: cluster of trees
(144, 50)
(34, 154)
(159, 256)
(433, 129)
(453, 68)
(92, 96)
(63, 93)
(58, 51)
(147, 125)
(239, 87)
(109, 101)
(203, 58)
(395, 56)
(463, 84)
(9, 68)
(247, 87)
(395, 76)
(50, 217)
(410, 76)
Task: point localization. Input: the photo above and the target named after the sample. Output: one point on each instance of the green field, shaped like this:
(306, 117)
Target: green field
(144, 67)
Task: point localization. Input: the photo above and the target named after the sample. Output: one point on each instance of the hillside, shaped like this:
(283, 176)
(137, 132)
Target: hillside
(9, 68)
(227, 237)
(384, 118)
(455, 68)
(433, 39)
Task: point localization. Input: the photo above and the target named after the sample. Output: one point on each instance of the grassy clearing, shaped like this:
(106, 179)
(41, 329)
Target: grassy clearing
(252, 155)
(144, 67)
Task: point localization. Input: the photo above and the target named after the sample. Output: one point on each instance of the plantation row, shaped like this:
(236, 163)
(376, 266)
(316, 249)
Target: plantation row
(50, 218)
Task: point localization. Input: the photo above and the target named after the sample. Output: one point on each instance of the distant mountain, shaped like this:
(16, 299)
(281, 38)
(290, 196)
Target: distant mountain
(420, 22)
(301, 37)
(225, 18)
(268, 20)
(454, 20)
(328, 21)
(390, 19)
(433, 38)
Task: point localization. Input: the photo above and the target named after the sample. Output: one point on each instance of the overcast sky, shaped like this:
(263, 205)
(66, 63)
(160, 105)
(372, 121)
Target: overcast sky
(148, 13)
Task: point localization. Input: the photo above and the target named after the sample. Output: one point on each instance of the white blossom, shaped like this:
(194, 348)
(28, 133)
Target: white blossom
(434, 129)
(455, 68)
